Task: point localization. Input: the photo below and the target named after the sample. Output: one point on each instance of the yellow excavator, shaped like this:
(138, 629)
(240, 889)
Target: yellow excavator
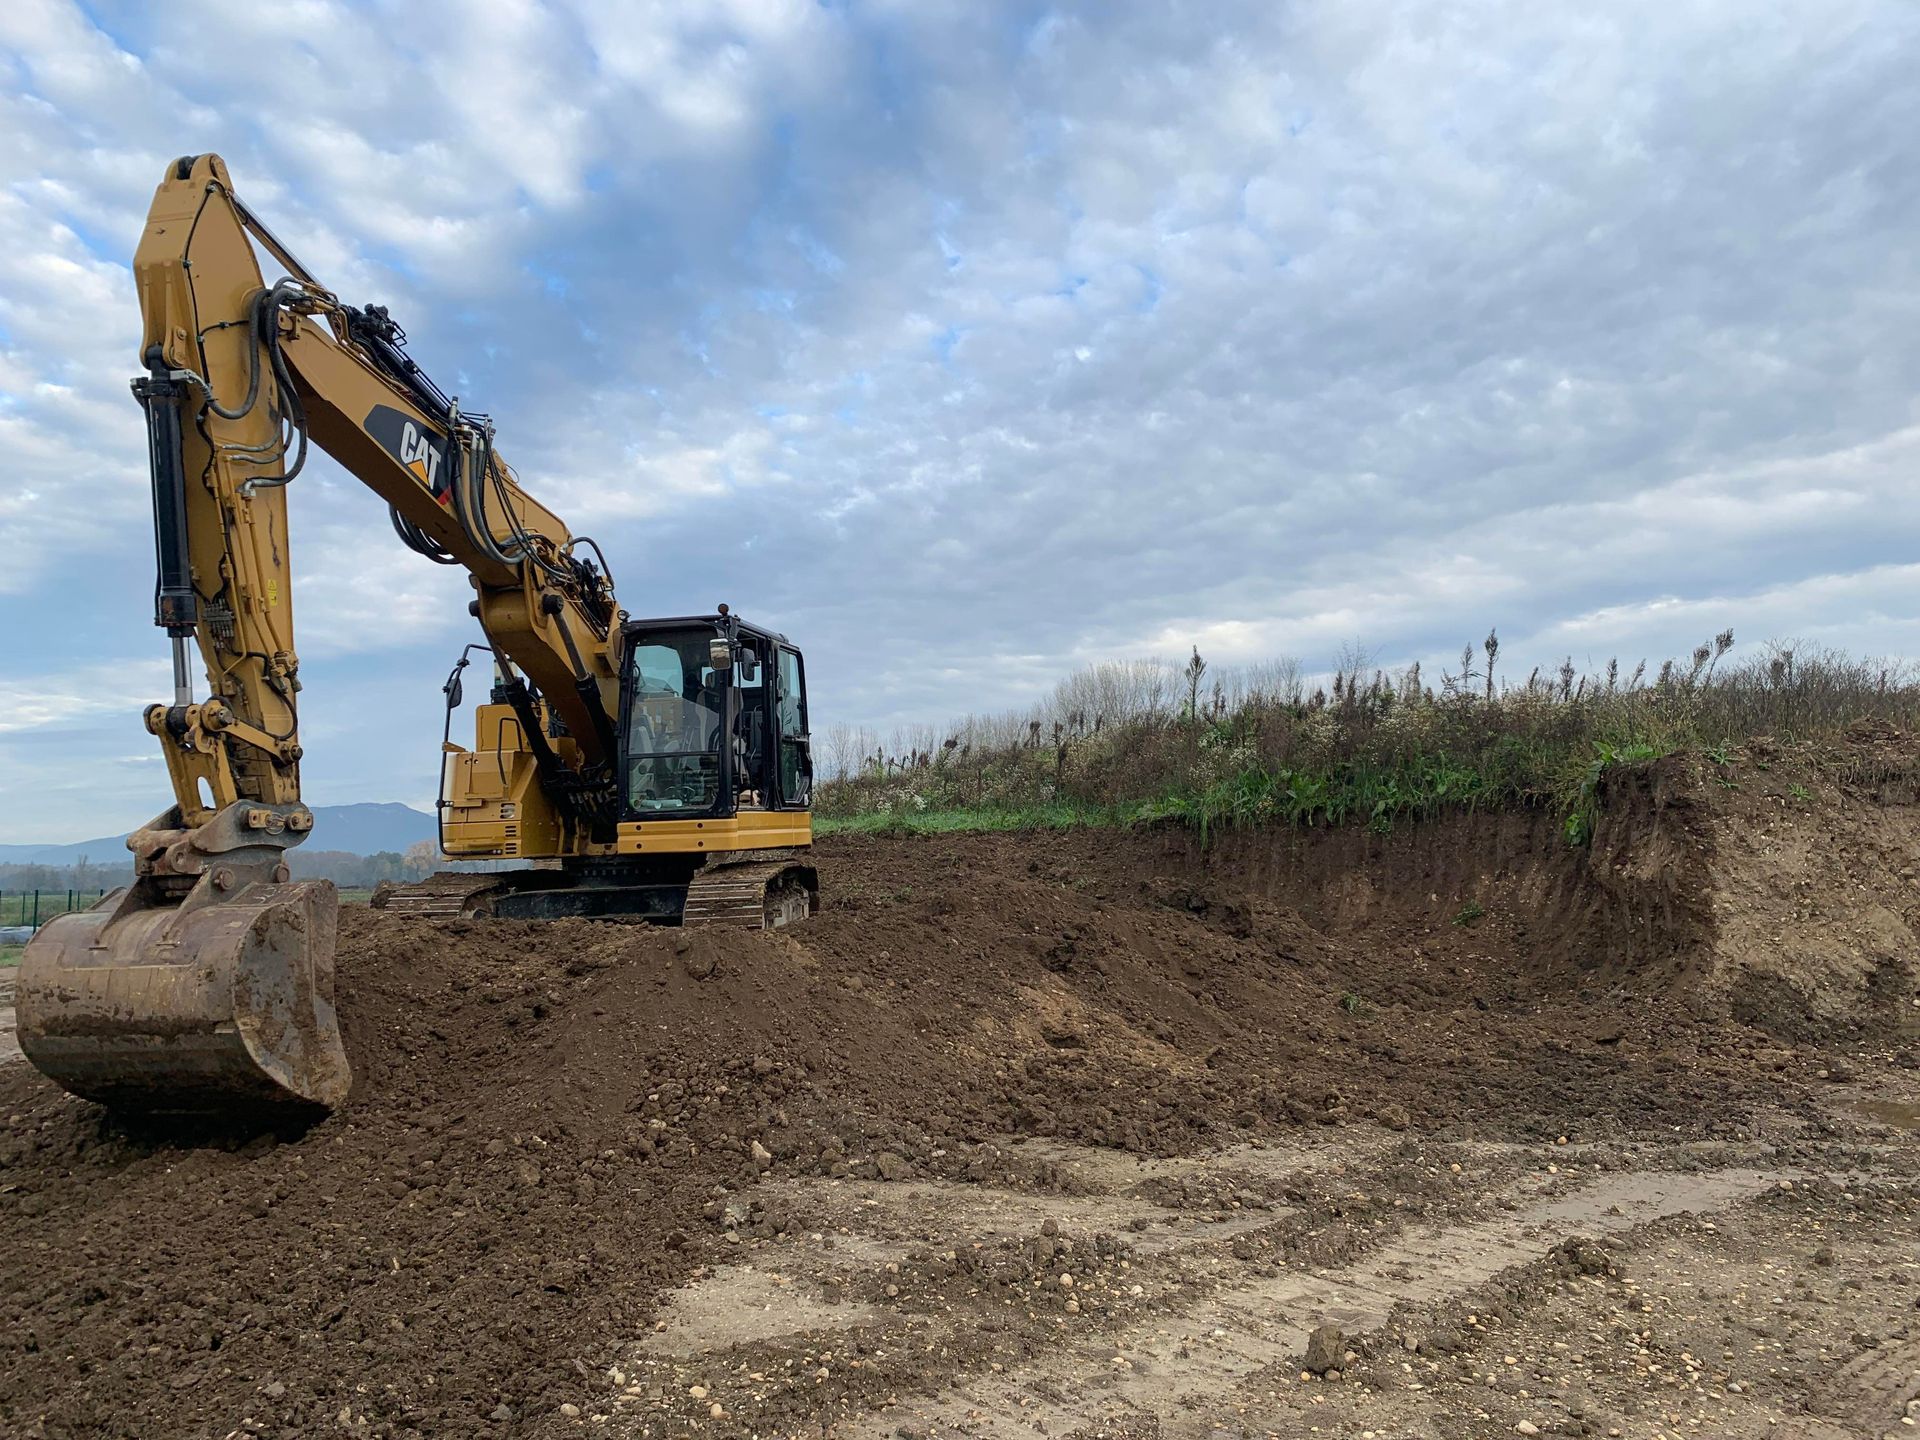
(660, 769)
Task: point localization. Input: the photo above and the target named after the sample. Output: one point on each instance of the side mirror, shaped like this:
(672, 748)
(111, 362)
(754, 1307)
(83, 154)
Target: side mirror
(720, 656)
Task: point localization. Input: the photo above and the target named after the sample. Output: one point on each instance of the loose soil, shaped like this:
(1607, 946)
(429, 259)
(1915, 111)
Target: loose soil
(1092, 1133)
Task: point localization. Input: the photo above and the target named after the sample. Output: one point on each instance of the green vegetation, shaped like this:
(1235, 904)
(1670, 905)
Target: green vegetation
(1144, 741)
(914, 821)
(10, 955)
(29, 907)
(1470, 914)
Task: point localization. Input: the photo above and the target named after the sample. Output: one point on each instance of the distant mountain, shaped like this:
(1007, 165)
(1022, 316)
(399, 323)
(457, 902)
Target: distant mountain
(358, 829)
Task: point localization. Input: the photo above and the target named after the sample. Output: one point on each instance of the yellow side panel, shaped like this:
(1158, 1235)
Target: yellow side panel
(749, 830)
(495, 807)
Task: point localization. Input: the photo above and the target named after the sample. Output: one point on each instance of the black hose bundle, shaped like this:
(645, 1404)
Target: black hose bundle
(263, 321)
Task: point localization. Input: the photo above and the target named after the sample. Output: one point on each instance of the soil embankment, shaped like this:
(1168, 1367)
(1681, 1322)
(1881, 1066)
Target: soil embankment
(565, 1135)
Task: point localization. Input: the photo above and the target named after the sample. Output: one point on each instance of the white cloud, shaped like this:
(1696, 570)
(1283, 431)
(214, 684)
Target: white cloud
(61, 697)
(966, 342)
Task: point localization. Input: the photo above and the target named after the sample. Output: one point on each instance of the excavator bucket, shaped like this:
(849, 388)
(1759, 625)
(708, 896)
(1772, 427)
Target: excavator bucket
(216, 1002)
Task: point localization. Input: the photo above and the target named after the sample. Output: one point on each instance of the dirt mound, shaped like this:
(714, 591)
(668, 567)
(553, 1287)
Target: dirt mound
(553, 1123)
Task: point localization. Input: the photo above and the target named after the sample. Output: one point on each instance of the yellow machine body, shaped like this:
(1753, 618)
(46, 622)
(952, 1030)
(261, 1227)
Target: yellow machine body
(208, 983)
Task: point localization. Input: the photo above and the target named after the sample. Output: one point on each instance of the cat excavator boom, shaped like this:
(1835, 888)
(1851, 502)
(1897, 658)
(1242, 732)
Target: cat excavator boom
(660, 768)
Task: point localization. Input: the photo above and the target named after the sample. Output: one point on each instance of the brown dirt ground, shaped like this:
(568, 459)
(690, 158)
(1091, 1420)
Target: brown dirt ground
(561, 1132)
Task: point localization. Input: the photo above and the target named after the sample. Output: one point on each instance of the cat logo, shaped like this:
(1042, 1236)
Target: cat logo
(418, 456)
(421, 450)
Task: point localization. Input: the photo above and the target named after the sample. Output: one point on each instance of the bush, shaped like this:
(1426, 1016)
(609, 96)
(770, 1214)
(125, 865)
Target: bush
(1143, 740)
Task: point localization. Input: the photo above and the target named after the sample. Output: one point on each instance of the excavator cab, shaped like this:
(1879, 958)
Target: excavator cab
(704, 818)
(715, 721)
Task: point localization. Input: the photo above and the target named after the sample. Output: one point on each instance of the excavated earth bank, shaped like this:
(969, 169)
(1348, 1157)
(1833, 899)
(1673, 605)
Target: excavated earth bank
(830, 1181)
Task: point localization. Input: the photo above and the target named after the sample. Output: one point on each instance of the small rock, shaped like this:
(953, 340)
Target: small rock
(1325, 1348)
(1824, 1255)
(1527, 1427)
(570, 1410)
(762, 1157)
(502, 1411)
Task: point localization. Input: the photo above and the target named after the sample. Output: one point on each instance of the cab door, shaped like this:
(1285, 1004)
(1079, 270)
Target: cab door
(796, 745)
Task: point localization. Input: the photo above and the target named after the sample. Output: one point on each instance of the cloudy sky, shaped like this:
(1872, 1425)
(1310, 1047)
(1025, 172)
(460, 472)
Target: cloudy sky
(968, 342)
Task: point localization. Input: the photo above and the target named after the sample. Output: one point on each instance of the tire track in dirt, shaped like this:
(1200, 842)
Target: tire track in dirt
(1172, 1366)
(800, 1294)
(1879, 1394)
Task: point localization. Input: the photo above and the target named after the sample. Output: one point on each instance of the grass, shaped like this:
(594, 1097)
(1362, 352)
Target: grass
(17, 907)
(10, 955)
(911, 821)
(1122, 744)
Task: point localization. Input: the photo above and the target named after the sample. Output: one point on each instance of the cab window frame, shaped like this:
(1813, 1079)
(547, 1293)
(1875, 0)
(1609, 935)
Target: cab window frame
(801, 739)
(637, 637)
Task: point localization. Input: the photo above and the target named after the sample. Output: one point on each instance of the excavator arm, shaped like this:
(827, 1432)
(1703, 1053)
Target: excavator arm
(241, 378)
(208, 982)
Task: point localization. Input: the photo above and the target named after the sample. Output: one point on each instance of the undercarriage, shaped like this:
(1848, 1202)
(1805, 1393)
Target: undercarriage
(748, 889)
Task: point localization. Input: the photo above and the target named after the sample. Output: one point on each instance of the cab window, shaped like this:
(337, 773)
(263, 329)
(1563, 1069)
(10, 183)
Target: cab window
(674, 723)
(752, 724)
(796, 760)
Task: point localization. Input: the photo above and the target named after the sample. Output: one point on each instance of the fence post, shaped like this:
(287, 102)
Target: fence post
(36, 909)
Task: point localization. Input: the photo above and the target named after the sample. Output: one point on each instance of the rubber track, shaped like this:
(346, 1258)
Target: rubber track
(438, 897)
(732, 895)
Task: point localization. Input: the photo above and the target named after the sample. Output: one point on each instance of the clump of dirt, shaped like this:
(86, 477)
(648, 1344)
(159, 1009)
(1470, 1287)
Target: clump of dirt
(553, 1123)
